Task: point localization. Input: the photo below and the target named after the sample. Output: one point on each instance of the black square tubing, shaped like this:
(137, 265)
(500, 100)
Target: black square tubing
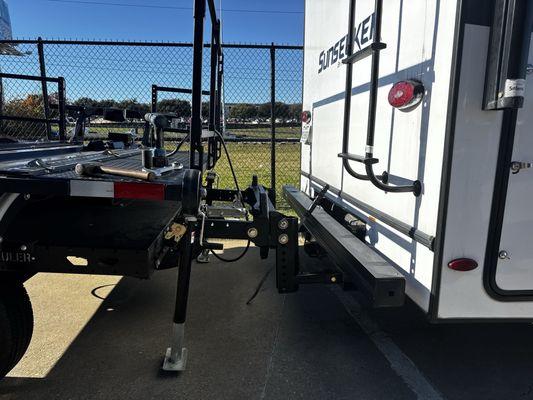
(196, 148)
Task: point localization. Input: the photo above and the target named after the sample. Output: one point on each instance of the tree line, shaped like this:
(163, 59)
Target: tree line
(32, 106)
(182, 108)
(247, 111)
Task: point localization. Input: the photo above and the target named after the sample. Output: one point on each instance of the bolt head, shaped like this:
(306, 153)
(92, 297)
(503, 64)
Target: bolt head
(23, 247)
(333, 279)
(27, 197)
(252, 233)
(283, 239)
(283, 224)
(503, 255)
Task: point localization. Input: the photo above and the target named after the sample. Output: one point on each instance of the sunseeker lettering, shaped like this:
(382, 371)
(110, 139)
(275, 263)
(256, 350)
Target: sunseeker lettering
(362, 34)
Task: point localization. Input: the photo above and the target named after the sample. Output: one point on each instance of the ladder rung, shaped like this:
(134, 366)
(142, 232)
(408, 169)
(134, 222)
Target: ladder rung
(361, 159)
(364, 53)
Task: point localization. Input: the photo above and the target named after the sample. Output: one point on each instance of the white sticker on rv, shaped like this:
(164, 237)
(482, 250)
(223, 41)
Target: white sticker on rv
(515, 88)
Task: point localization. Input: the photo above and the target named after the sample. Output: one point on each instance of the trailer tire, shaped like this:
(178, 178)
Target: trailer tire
(16, 325)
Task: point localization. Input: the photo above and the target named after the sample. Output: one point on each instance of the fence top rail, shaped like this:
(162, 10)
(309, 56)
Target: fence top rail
(32, 78)
(147, 44)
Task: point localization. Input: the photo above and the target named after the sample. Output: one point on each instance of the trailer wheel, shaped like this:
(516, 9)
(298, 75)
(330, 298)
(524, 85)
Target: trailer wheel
(16, 325)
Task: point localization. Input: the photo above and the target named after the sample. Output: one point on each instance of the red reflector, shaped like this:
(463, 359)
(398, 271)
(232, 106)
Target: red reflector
(145, 191)
(406, 94)
(306, 117)
(462, 264)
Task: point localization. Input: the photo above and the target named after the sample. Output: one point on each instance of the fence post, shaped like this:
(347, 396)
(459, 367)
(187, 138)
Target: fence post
(42, 65)
(273, 121)
(62, 97)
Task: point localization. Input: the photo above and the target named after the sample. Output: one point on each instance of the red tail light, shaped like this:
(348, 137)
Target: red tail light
(147, 191)
(406, 95)
(462, 264)
(306, 117)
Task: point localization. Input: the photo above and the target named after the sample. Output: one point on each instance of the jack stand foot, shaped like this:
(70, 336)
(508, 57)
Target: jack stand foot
(172, 365)
(176, 356)
(203, 258)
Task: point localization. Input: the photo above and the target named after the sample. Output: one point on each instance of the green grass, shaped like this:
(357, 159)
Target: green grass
(256, 133)
(281, 132)
(250, 159)
(254, 159)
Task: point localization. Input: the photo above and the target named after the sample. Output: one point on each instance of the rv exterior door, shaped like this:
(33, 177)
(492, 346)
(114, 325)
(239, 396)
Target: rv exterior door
(514, 259)
(509, 259)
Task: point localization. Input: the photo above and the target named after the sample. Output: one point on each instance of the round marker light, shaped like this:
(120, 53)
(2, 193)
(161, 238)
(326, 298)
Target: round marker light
(462, 264)
(306, 117)
(406, 95)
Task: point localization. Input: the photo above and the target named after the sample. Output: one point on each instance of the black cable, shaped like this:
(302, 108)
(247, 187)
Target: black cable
(178, 146)
(240, 198)
(100, 3)
(231, 168)
(258, 288)
(231, 260)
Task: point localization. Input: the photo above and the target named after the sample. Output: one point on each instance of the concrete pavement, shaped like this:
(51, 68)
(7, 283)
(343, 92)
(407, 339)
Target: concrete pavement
(300, 346)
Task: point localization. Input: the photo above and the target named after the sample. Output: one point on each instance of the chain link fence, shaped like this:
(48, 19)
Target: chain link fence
(262, 96)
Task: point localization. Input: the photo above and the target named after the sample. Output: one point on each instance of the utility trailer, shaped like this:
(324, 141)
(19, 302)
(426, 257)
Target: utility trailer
(416, 128)
(114, 207)
(117, 207)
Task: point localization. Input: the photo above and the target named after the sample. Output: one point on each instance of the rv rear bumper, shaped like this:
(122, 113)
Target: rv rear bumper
(376, 278)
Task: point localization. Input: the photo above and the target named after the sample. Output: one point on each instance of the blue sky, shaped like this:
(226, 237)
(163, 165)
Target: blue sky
(128, 73)
(52, 19)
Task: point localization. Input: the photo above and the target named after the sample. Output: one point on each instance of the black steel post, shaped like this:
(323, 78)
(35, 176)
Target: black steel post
(196, 150)
(220, 77)
(42, 66)
(62, 103)
(219, 110)
(273, 122)
(285, 237)
(184, 274)
(374, 82)
(213, 81)
(348, 95)
(212, 92)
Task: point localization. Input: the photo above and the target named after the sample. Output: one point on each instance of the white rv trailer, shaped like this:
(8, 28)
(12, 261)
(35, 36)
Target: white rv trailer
(438, 169)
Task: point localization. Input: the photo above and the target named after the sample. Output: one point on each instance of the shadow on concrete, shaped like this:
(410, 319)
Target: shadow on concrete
(297, 346)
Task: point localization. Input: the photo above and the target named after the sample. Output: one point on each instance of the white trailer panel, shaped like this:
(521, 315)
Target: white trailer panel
(448, 142)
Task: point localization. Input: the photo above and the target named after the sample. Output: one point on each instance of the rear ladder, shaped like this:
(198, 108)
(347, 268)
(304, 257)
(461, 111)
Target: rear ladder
(368, 159)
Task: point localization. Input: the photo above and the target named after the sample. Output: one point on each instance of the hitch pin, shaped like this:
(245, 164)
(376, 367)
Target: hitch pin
(517, 166)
